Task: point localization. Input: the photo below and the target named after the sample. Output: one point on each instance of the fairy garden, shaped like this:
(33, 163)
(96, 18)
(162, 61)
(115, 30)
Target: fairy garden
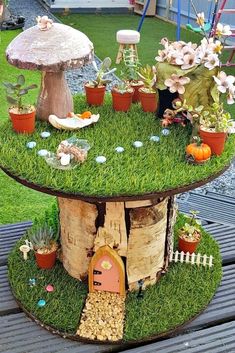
(113, 257)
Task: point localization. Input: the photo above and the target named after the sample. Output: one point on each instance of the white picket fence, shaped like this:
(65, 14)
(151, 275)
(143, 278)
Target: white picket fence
(193, 259)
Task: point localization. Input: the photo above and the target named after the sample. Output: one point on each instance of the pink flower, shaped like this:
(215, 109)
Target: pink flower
(176, 83)
(189, 60)
(223, 81)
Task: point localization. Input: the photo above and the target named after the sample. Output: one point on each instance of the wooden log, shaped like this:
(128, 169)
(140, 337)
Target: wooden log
(146, 245)
(78, 231)
(55, 96)
(171, 219)
(113, 233)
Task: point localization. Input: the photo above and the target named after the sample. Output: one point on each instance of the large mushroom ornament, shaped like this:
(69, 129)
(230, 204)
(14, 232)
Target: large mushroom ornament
(51, 48)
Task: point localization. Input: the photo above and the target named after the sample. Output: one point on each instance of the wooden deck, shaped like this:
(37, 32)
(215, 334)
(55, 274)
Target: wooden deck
(212, 332)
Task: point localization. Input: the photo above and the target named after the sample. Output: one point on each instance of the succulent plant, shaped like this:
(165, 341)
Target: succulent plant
(216, 118)
(191, 230)
(148, 76)
(102, 72)
(43, 239)
(132, 65)
(15, 92)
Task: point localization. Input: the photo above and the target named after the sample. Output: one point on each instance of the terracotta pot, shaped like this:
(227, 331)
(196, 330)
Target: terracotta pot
(149, 101)
(46, 261)
(187, 246)
(95, 95)
(216, 140)
(136, 87)
(121, 101)
(23, 123)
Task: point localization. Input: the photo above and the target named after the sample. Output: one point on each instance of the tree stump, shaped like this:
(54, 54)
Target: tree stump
(140, 232)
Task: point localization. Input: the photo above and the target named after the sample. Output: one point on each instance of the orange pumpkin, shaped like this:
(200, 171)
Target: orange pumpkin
(86, 115)
(199, 151)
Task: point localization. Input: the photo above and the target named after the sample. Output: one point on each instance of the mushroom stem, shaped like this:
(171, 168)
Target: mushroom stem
(25, 249)
(55, 96)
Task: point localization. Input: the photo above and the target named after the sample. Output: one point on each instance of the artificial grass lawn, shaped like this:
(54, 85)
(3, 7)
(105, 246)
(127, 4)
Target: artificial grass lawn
(154, 167)
(180, 295)
(101, 29)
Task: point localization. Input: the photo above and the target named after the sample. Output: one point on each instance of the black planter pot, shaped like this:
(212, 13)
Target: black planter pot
(165, 101)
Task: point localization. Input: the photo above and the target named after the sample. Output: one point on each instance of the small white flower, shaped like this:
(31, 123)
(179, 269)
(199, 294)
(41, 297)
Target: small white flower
(212, 61)
(106, 265)
(222, 30)
(223, 81)
(201, 19)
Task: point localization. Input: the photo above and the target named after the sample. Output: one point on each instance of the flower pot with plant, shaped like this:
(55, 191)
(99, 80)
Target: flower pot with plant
(122, 96)
(148, 94)
(190, 234)
(22, 116)
(214, 124)
(131, 68)
(95, 89)
(45, 247)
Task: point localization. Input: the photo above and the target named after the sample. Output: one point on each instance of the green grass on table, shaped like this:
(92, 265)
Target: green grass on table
(154, 167)
(180, 295)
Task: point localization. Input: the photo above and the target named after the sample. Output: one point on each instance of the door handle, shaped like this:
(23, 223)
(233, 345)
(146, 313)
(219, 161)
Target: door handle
(96, 272)
(96, 283)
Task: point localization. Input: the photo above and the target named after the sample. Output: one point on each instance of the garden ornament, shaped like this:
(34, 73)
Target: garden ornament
(51, 51)
(25, 249)
(74, 122)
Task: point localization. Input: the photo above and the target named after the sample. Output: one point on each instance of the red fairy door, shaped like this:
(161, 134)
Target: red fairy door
(106, 272)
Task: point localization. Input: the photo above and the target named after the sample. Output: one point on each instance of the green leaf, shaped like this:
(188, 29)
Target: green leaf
(22, 92)
(10, 90)
(21, 80)
(11, 100)
(16, 85)
(31, 86)
(8, 85)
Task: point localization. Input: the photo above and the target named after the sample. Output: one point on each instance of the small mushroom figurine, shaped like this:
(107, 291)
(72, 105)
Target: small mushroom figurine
(51, 48)
(25, 249)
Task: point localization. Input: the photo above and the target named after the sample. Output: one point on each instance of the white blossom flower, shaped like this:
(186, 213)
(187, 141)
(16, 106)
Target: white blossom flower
(223, 81)
(222, 30)
(212, 61)
(176, 83)
(201, 19)
(231, 95)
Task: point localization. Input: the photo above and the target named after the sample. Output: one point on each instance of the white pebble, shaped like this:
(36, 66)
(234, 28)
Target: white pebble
(45, 134)
(43, 153)
(31, 144)
(65, 159)
(137, 144)
(119, 149)
(100, 159)
(165, 132)
(154, 138)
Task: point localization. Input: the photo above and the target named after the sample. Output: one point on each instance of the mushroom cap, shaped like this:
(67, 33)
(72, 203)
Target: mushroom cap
(24, 248)
(59, 48)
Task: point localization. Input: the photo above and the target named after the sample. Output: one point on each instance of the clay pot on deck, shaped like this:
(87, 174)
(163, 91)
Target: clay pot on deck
(45, 261)
(216, 140)
(149, 101)
(22, 123)
(122, 101)
(95, 95)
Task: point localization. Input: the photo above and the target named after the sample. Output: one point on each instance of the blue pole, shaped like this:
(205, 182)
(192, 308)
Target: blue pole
(143, 16)
(189, 7)
(178, 20)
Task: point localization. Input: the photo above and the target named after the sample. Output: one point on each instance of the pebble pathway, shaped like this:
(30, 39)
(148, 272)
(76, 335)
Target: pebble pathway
(103, 317)
(30, 9)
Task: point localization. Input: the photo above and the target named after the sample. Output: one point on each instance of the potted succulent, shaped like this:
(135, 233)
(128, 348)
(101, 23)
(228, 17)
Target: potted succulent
(132, 66)
(190, 234)
(22, 116)
(45, 247)
(122, 96)
(148, 94)
(214, 125)
(95, 89)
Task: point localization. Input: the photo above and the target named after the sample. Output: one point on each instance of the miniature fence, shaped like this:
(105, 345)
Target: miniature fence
(193, 259)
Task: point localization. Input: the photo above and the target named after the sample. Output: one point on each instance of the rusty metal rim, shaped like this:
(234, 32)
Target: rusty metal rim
(119, 198)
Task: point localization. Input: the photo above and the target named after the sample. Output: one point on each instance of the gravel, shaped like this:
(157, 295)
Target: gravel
(30, 9)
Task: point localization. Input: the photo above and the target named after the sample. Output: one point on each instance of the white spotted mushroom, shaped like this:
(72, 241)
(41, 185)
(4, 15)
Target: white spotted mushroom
(51, 51)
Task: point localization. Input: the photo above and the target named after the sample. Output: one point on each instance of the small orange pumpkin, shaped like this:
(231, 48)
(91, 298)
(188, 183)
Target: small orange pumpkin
(199, 151)
(86, 115)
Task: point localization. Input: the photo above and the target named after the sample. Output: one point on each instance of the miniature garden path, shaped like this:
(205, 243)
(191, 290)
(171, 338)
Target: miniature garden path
(213, 331)
(103, 317)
